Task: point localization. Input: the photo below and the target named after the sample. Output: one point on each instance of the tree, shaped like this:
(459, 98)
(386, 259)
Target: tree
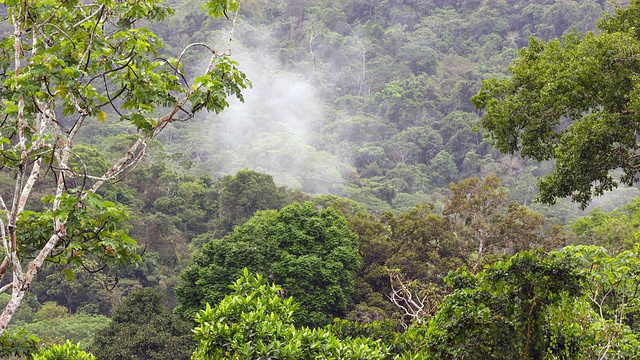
(487, 225)
(66, 64)
(575, 100)
(416, 301)
(443, 169)
(425, 247)
(240, 196)
(190, 203)
(143, 328)
(501, 313)
(610, 292)
(255, 322)
(576, 303)
(616, 230)
(311, 253)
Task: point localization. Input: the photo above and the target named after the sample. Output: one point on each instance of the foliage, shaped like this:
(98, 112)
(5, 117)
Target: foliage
(488, 225)
(143, 328)
(255, 318)
(573, 100)
(505, 307)
(419, 247)
(240, 196)
(402, 344)
(311, 253)
(78, 328)
(189, 204)
(67, 64)
(425, 246)
(616, 230)
(578, 302)
(87, 291)
(66, 351)
(172, 209)
(18, 344)
(611, 294)
(108, 233)
(256, 322)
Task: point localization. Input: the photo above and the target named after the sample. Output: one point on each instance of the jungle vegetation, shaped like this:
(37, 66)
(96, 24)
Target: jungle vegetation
(356, 179)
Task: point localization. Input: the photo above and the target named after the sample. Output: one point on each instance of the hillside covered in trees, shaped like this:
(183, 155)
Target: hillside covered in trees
(370, 100)
(324, 179)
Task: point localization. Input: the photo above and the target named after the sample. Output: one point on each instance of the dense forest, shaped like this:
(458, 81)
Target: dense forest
(356, 179)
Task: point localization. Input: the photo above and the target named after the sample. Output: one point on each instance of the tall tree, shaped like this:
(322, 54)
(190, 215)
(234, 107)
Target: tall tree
(242, 195)
(575, 100)
(143, 328)
(67, 63)
(501, 313)
(311, 253)
(487, 225)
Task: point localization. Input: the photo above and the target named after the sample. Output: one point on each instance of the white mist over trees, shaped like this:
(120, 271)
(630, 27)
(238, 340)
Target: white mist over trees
(370, 101)
(276, 131)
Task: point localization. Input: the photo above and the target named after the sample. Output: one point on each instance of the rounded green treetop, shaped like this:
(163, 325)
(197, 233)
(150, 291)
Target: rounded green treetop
(311, 253)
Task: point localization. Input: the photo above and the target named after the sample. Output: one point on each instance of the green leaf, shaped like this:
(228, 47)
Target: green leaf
(10, 107)
(102, 116)
(69, 274)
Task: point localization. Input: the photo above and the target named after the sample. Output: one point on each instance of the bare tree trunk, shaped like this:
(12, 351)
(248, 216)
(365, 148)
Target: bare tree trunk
(20, 286)
(11, 308)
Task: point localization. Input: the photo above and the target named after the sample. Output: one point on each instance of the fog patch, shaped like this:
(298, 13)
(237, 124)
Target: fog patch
(275, 131)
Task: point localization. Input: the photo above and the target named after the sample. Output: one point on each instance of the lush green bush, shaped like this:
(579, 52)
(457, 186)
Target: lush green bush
(18, 344)
(78, 328)
(66, 351)
(256, 322)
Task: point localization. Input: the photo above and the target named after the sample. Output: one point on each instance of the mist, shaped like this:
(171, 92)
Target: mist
(275, 131)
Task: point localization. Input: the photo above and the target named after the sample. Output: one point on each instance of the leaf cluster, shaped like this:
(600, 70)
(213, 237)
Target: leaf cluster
(96, 230)
(256, 322)
(143, 328)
